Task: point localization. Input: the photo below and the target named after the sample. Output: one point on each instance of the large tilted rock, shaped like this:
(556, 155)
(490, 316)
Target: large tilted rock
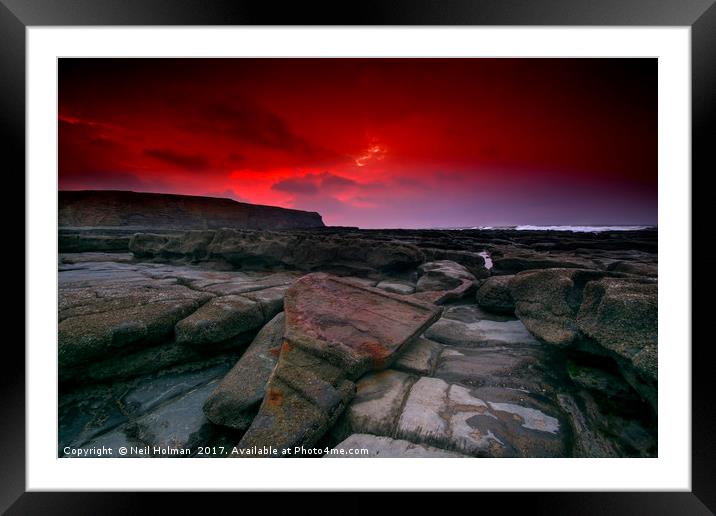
(445, 275)
(621, 315)
(547, 301)
(236, 399)
(618, 313)
(336, 330)
(494, 295)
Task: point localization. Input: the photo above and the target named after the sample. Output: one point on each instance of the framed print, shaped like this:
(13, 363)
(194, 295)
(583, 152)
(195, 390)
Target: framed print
(456, 242)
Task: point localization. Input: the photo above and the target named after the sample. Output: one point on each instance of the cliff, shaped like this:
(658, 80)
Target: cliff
(111, 208)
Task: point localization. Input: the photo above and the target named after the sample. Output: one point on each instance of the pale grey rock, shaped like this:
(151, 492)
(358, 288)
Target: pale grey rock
(480, 422)
(479, 333)
(376, 406)
(384, 447)
(419, 357)
(397, 287)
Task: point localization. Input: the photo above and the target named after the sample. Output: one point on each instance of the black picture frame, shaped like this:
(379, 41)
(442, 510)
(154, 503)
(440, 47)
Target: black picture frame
(700, 15)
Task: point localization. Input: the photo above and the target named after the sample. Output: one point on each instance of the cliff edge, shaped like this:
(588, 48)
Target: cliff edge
(112, 208)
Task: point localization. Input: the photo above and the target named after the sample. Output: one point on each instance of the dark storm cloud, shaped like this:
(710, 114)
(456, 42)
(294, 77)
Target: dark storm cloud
(311, 184)
(332, 181)
(88, 148)
(178, 159)
(251, 124)
(296, 186)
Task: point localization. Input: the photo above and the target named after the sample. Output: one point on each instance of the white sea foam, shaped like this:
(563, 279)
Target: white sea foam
(581, 229)
(574, 229)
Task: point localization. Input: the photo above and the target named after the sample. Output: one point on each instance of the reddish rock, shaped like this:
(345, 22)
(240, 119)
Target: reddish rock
(336, 330)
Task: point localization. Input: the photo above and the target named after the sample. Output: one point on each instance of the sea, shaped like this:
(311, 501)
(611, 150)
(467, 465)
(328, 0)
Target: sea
(574, 229)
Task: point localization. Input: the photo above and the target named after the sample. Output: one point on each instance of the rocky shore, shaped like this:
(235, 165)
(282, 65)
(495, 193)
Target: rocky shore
(406, 343)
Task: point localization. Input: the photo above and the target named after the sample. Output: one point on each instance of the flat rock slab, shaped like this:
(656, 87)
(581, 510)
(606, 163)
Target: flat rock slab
(360, 327)
(86, 337)
(336, 330)
(122, 318)
(364, 446)
(242, 285)
(479, 333)
(516, 367)
(482, 422)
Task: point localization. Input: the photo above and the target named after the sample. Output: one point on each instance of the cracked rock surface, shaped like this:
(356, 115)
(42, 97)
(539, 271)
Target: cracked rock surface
(402, 343)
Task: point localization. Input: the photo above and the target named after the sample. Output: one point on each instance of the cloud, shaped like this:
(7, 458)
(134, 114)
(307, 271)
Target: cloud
(252, 124)
(178, 159)
(88, 148)
(313, 184)
(334, 182)
(298, 185)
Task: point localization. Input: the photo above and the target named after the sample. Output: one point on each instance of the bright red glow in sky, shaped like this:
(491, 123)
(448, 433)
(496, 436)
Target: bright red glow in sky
(372, 142)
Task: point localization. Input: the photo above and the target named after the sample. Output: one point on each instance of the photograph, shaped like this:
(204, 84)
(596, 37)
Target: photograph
(357, 257)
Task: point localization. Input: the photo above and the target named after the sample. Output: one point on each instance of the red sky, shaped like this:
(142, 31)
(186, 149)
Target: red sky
(372, 142)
